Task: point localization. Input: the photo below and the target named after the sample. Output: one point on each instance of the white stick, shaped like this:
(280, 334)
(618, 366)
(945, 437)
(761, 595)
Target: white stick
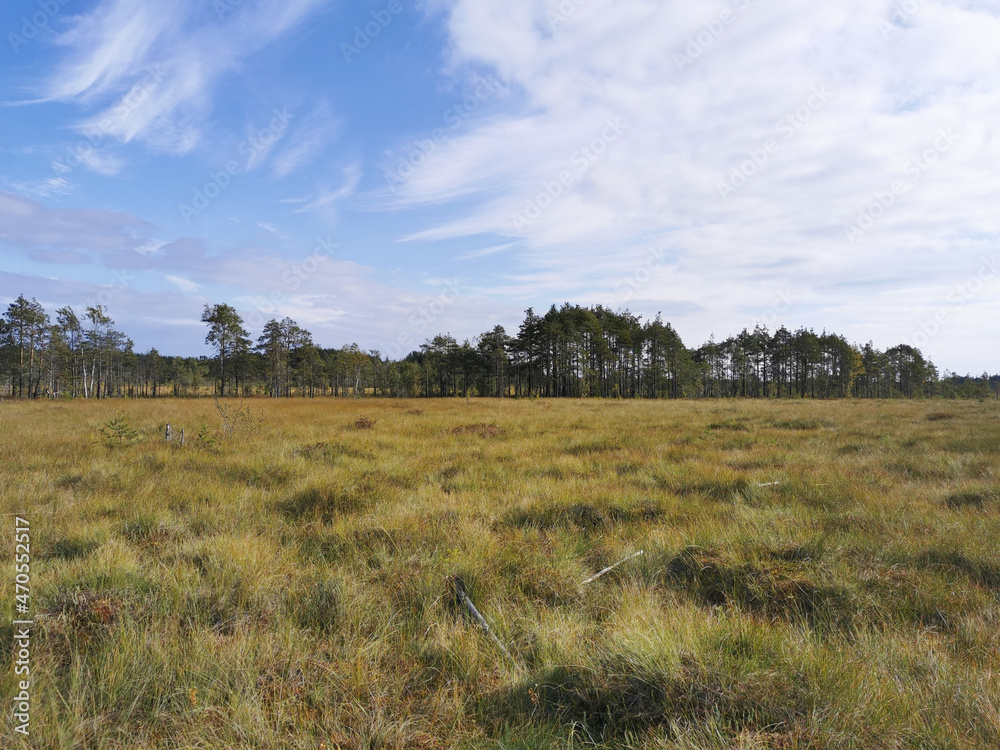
(460, 590)
(611, 567)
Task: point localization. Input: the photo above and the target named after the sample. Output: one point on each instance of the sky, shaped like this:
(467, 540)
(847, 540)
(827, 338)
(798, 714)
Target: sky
(385, 171)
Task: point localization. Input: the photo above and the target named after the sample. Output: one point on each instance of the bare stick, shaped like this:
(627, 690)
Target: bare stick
(611, 567)
(225, 422)
(768, 484)
(464, 597)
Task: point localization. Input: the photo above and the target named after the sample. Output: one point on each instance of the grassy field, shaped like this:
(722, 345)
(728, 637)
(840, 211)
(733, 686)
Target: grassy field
(815, 574)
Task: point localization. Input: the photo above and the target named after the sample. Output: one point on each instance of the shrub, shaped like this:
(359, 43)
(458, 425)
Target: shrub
(119, 431)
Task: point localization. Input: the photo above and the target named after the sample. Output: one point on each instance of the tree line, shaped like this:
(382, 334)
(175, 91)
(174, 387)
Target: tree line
(570, 351)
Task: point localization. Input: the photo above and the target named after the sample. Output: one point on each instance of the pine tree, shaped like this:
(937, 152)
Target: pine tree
(226, 334)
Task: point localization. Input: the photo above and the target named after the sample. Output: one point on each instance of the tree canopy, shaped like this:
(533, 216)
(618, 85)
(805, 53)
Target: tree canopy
(569, 351)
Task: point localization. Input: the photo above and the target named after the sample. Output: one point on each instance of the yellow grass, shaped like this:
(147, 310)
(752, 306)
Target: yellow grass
(815, 574)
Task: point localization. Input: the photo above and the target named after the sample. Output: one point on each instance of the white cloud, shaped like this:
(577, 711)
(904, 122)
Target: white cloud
(306, 141)
(100, 163)
(150, 247)
(44, 187)
(485, 251)
(185, 285)
(702, 90)
(152, 69)
(328, 197)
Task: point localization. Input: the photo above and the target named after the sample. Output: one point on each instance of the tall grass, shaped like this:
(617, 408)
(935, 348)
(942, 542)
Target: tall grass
(822, 575)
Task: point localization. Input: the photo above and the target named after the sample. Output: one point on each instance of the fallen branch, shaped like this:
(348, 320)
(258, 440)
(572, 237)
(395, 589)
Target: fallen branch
(459, 585)
(611, 567)
(768, 484)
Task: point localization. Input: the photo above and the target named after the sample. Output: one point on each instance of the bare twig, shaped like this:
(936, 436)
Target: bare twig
(611, 567)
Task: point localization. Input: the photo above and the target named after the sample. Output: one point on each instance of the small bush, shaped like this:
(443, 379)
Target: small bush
(205, 435)
(239, 421)
(364, 423)
(940, 415)
(119, 431)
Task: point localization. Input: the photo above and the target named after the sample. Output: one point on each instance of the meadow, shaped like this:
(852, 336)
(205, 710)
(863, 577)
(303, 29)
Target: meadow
(814, 574)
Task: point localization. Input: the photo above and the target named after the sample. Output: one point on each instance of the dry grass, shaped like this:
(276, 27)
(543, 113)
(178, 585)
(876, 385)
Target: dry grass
(821, 575)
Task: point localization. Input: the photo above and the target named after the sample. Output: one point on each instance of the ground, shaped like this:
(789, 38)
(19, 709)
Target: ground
(814, 574)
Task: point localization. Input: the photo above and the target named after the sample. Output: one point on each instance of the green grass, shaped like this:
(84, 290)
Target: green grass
(815, 574)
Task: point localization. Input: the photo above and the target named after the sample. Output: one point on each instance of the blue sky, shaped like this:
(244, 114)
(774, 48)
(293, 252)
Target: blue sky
(383, 171)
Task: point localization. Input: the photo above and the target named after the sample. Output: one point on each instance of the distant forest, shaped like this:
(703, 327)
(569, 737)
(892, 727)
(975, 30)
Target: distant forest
(570, 351)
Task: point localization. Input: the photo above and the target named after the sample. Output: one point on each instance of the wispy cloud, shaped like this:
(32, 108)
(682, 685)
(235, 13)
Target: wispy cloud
(328, 197)
(151, 70)
(185, 285)
(485, 251)
(307, 140)
(45, 187)
(100, 163)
